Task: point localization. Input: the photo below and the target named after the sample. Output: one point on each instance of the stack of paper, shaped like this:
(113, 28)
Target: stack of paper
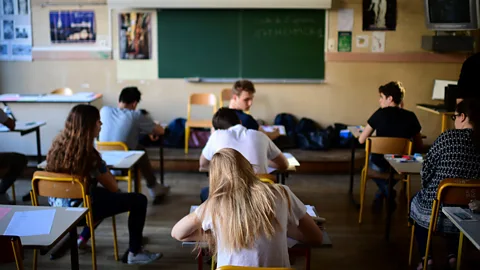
(112, 158)
(30, 223)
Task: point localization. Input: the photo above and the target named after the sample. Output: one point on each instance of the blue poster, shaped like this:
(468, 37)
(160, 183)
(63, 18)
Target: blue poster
(70, 26)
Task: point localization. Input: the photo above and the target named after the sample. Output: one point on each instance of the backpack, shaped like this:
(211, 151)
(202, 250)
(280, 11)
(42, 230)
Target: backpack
(290, 123)
(311, 137)
(175, 133)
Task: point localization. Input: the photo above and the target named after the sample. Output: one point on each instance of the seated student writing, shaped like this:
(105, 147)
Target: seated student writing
(255, 146)
(125, 124)
(246, 221)
(243, 92)
(73, 152)
(454, 154)
(391, 120)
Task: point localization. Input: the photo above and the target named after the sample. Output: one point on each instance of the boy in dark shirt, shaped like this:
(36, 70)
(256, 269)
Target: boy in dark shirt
(391, 120)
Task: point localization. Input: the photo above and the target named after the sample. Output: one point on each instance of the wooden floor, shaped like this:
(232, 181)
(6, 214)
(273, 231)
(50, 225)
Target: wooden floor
(354, 246)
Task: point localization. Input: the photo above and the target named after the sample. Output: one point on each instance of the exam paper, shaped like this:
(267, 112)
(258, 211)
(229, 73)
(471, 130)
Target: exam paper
(30, 223)
(112, 158)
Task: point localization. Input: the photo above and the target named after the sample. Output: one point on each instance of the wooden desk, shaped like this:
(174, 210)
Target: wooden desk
(407, 168)
(294, 247)
(281, 175)
(25, 128)
(65, 221)
(443, 113)
(52, 109)
(125, 164)
(471, 229)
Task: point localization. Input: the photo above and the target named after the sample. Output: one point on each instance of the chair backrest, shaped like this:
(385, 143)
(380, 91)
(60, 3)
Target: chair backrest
(63, 91)
(267, 178)
(226, 94)
(12, 250)
(388, 145)
(230, 267)
(111, 146)
(205, 99)
(455, 191)
(58, 185)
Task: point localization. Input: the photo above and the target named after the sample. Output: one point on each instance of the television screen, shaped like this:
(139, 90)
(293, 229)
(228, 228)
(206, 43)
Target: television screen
(449, 11)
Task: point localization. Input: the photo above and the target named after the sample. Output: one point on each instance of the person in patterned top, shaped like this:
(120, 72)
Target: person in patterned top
(454, 154)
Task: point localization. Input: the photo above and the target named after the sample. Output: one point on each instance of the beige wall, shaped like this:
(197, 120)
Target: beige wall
(349, 94)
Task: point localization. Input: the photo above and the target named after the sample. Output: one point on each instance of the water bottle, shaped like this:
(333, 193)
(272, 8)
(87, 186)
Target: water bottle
(8, 112)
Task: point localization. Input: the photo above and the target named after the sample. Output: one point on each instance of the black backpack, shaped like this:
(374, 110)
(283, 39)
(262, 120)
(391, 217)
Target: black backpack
(289, 121)
(311, 137)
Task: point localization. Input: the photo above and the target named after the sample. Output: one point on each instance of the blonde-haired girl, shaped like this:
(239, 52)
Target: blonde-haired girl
(244, 220)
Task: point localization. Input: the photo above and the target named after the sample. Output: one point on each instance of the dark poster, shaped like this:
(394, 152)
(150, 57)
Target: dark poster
(379, 15)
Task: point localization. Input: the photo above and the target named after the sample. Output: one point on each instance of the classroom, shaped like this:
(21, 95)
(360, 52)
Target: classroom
(126, 120)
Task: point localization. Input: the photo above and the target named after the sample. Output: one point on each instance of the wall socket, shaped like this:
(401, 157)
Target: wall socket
(331, 45)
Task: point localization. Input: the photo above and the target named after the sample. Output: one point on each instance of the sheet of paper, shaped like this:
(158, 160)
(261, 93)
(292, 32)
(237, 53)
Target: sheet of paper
(75, 209)
(193, 208)
(361, 41)
(4, 211)
(281, 129)
(114, 157)
(291, 242)
(292, 161)
(345, 19)
(378, 42)
(311, 210)
(29, 223)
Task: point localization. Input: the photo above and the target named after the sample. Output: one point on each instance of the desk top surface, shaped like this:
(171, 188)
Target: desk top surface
(122, 164)
(411, 167)
(64, 220)
(23, 126)
(471, 229)
(80, 97)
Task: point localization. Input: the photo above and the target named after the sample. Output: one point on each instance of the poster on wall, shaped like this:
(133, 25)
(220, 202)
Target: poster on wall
(72, 26)
(344, 41)
(135, 40)
(379, 15)
(15, 31)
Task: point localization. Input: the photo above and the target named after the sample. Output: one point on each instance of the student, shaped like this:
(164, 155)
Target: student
(391, 120)
(246, 221)
(15, 163)
(255, 146)
(125, 124)
(468, 80)
(73, 152)
(454, 154)
(243, 92)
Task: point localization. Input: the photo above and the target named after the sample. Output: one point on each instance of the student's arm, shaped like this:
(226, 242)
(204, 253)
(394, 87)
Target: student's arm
(307, 231)
(418, 143)
(272, 135)
(276, 159)
(7, 121)
(158, 130)
(105, 178)
(204, 162)
(148, 126)
(367, 131)
(208, 152)
(188, 228)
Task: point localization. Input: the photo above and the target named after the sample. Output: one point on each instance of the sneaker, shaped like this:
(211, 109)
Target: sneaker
(158, 191)
(83, 247)
(143, 257)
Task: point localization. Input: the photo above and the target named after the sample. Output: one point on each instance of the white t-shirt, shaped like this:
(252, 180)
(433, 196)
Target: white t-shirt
(254, 145)
(265, 253)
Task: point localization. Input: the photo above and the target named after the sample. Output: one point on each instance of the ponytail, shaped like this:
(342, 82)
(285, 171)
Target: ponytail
(471, 108)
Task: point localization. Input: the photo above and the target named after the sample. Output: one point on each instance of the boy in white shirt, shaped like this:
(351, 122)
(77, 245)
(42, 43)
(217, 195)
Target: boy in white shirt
(254, 145)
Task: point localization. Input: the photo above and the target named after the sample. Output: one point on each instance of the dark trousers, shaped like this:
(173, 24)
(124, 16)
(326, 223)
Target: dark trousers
(15, 163)
(146, 168)
(421, 236)
(106, 204)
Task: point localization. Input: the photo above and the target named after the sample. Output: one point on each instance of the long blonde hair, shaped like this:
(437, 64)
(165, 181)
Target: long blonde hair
(241, 206)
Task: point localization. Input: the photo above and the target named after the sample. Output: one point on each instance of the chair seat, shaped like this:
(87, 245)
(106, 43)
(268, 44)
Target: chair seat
(199, 123)
(378, 175)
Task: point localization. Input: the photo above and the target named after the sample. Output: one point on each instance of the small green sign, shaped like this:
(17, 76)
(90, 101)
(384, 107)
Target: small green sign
(344, 41)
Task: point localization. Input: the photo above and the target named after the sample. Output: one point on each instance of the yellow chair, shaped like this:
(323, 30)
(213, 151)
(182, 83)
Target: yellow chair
(12, 250)
(451, 192)
(267, 178)
(382, 145)
(230, 267)
(120, 146)
(203, 99)
(59, 185)
(62, 91)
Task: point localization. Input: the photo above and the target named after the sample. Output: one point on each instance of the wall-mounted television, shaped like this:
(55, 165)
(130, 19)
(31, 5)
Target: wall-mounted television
(452, 15)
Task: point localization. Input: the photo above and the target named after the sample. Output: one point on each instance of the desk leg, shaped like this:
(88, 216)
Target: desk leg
(162, 172)
(39, 146)
(74, 249)
(282, 178)
(200, 259)
(444, 122)
(308, 253)
(389, 205)
(352, 174)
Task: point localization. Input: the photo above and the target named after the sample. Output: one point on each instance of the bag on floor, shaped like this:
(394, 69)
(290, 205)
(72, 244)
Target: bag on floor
(175, 133)
(289, 121)
(311, 137)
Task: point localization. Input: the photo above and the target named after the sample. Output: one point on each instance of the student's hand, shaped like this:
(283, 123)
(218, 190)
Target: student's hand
(153, 137)
(10, 124)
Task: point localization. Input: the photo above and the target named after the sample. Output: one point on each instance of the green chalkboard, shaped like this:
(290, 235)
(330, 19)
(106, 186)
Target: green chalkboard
(252, 43)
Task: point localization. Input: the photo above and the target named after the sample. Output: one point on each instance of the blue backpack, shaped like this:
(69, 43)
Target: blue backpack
(175, 133)
(289, 121)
